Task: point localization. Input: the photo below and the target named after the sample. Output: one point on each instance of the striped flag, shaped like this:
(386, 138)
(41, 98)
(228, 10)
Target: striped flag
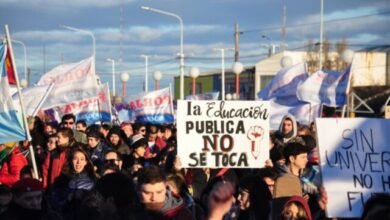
(11, 127)
(325, 87)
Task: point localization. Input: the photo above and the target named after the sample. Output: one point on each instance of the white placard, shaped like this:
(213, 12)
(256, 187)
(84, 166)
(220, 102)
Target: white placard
(223, 133)
(355, 162)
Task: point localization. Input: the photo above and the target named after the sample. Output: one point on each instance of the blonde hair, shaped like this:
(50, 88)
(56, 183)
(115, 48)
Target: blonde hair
(286, 213)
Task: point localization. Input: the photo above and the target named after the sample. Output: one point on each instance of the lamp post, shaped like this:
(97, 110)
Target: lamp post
(181, 44)
(223, 69)
(85, 32)
(113, 74)
(157, 77)
(237, 69)
(321, 32)
(23, 83)
(25, 58)
(194, 72)
(124, 78)
(146, 72)
(286, 61)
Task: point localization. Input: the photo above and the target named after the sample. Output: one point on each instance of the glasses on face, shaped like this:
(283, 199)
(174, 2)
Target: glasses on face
(142, 130)
(69, 122)
(111, 161)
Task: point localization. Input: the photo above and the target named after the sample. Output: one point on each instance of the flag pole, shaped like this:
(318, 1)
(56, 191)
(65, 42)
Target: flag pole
(170, 93)
(9, 44)
(349, 68)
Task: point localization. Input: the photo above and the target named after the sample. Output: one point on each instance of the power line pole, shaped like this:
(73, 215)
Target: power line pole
(284, 30)
(236, 43)
(121, 34)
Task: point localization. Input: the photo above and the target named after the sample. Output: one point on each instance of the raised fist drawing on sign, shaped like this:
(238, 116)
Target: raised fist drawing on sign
(255, 135)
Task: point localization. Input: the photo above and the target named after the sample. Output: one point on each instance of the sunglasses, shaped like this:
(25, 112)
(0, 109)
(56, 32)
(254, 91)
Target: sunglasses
(142, 130)
(69, 122)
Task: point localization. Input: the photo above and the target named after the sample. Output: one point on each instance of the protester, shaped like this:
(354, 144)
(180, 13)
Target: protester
(57, 158)
(296, 208)
(12, 161)
(253, 198)
(113, 157)
(178, 186)
(128, 132)
(156, 197)
(140, 129)
(287, 129)
(136, 160)
(115, 141)
(96, 148)
(377, 207)
(68, 121)
(28, 203)
(81, 126)
(117, 198)
(218, 200)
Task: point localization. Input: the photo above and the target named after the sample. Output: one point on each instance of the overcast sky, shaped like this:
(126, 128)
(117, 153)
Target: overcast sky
(207, 24)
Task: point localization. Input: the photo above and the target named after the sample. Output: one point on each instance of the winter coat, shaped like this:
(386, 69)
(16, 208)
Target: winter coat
(97, 154)
(52, 166)
(174, 208)
(10, 169)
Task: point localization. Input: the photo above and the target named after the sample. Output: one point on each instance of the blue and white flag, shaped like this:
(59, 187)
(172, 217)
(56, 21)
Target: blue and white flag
(152, 107)
(325, 87)
(282, 87)
(11, 127)
(304, 113)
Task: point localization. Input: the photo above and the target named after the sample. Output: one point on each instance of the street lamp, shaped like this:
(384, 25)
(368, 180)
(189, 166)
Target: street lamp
(23, 83)
(146, 72)
(157, 77)
(84, 32)
(229, 96)
(347, 56)
(286, 61)
(25, 58)
(181, 44)
(237, 69)
(223, 69)
(124, 78)
(113, 74)
(194, 72)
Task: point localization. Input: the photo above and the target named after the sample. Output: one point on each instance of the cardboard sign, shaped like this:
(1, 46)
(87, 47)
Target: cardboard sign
(355, 162)
(223, 133)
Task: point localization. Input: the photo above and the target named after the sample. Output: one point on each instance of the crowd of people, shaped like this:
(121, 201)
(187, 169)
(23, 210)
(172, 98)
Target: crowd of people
(132, 171)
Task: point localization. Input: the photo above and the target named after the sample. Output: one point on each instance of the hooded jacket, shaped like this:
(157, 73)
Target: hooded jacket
(284, 138)
(303, 202)
(174, 208)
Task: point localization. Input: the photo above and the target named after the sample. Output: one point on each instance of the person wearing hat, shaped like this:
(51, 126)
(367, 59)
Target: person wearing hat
(115, 141)
(27, 202)
(137, 159)
(96, 148)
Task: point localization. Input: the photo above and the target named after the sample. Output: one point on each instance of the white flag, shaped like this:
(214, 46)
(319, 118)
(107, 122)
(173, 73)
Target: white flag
(71, 92)
(33, 98)
(69, 72)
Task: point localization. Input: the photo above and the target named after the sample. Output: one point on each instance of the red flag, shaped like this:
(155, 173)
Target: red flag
(9, 69)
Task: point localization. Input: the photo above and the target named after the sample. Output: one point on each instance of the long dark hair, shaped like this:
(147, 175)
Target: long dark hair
(89, 169)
